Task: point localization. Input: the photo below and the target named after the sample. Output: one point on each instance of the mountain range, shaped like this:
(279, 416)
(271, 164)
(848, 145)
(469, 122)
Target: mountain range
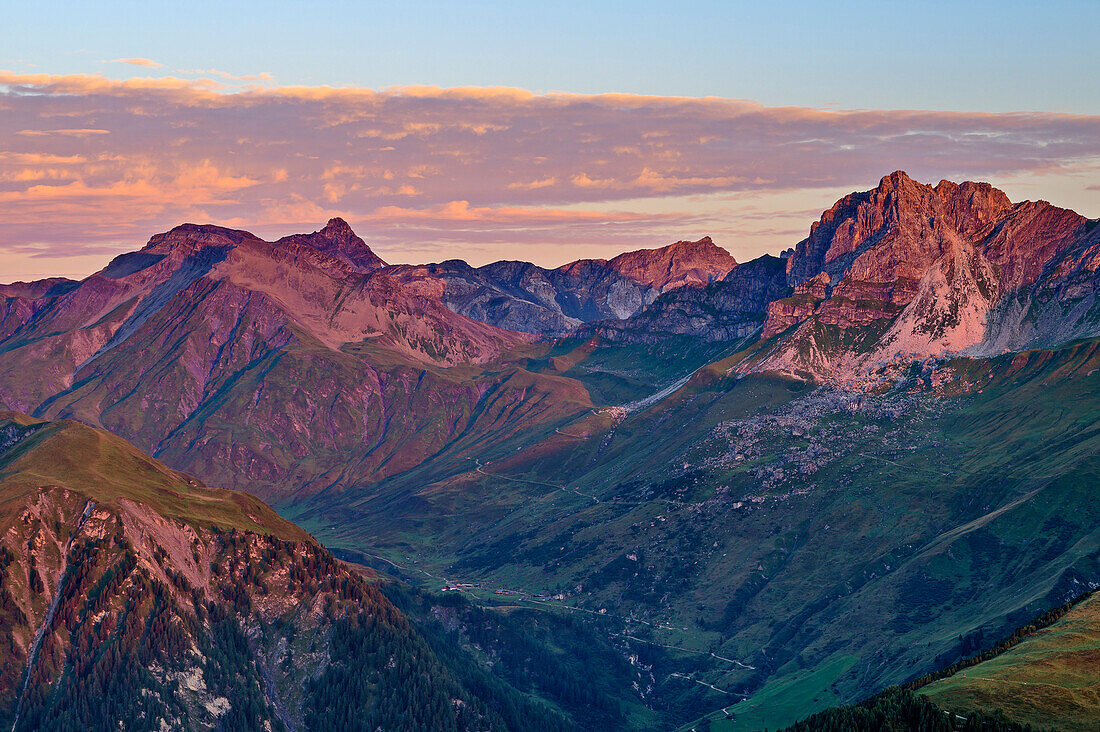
(775, 485)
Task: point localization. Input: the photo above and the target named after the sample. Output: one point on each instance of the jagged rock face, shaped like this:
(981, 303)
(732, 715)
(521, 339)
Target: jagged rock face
(948, 313)
(112, 609)
(914, 271)
(552, 302)
(876, 246)
(728, 310)
(787, 311)
(1061, 305)
(898, 223)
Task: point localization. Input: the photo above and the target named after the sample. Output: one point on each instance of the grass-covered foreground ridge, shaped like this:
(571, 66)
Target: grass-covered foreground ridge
(1044, 676)
(1049, 678)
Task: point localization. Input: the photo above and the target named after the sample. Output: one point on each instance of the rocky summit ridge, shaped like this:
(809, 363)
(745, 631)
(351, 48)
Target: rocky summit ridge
(338, 240)
(905, 271)
(921, 270)
(930, 271)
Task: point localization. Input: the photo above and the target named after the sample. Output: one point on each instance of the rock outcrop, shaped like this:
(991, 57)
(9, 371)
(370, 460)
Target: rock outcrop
(909, 271)
(787, 311)
(553, 302)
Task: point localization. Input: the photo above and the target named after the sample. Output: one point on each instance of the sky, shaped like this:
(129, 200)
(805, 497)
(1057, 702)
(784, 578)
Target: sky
(512, 130)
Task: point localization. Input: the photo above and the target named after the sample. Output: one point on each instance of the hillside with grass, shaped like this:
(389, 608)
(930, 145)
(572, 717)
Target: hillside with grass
(1049, 678)
(1041, 677)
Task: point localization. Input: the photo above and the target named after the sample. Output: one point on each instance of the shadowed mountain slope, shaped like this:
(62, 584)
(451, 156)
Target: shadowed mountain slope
(524, 297)
(133, 596)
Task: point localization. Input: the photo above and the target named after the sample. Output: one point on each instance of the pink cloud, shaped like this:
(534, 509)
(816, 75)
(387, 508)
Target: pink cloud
(68, 131)
(423, 167)
(462, 213)
(138, 62)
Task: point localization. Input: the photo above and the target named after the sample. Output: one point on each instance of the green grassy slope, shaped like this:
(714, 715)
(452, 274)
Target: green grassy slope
(900, 710)
(1051, 678)
(108, 470)
(1044, 675)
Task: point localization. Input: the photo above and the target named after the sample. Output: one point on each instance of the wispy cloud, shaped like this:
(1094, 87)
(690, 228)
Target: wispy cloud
(423, 169)
(263, 76)
(68, 131)
(147, 63)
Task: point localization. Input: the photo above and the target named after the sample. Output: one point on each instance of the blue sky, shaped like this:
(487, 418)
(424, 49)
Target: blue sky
(971, 56)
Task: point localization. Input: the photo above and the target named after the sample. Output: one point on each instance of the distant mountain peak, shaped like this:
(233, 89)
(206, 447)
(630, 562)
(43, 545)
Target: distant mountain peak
(337, 239)
(897, 179)
(705, 242)
(189, 238)
(704, 245)
(339, 231)
(675, 265)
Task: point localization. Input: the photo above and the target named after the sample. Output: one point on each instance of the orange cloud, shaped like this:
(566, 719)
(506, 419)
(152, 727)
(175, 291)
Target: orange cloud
(461, 212)
(464, 166)
(82, 132)
(138, 62)
(533, 185)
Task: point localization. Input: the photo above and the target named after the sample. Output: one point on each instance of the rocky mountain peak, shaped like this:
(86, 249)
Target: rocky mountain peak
(899, 180)
(706, 244)
(682, 263)
(967, 207)
(337, 228)
(914, 216)
(337, 239)
(189, 238)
